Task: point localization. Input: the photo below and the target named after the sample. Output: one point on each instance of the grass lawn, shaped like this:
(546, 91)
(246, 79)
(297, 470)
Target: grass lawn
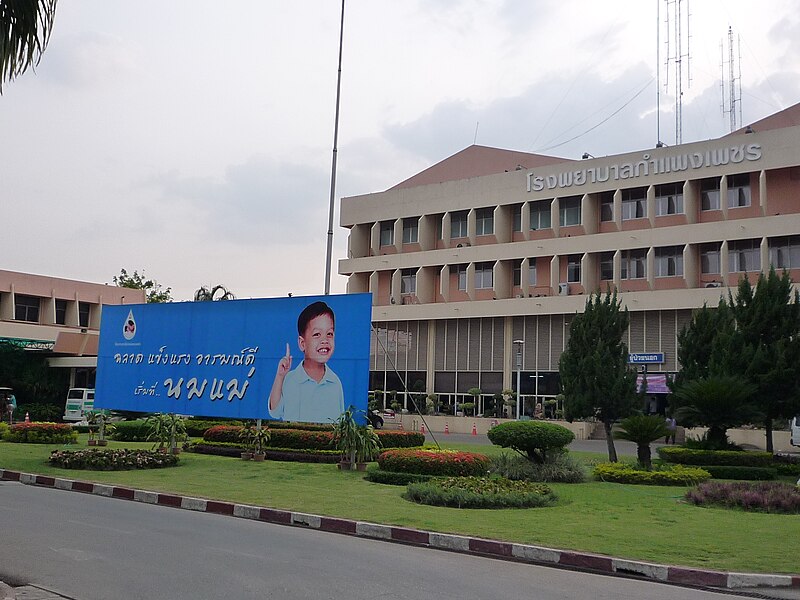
(637, 522)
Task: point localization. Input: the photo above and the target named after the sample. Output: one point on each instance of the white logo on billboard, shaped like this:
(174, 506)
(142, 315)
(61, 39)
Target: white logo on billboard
(129, 329)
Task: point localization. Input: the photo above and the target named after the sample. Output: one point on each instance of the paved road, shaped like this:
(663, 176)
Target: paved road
(91, 547)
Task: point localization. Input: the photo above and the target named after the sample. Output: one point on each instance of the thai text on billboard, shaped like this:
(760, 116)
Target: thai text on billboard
(290, 359)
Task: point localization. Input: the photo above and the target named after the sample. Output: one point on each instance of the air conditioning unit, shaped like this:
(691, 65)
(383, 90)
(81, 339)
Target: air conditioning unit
(459, 245)
(713, 284)
(563, 289)
(520, 296)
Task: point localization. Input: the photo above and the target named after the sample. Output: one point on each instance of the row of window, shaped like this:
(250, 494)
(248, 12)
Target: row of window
(743, 256)
(668, 201)
(28, 308)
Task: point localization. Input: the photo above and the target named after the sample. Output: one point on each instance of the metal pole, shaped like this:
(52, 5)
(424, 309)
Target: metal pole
(518, 375)
(329, 253)
(518, 348)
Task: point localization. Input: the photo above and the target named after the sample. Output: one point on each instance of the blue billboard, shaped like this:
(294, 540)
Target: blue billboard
(290, 359)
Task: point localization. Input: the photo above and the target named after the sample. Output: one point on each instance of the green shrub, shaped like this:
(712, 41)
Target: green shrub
(560, 468)
(400, 439)
(119, 459)
(689, 456)
(300, 426)
(787, 469)
(625, 473)
(234, 449)
(131, 431)
(3, 429)
(534, 438)
(41, 433)
(741, 473)
(302, 439)
(49, 413)
(378, 475)
(434, 462)
(480, 492)
(197, 427)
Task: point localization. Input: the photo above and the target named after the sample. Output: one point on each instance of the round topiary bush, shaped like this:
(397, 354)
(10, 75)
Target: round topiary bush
(533, 438)
(434, 462)
(480, 492)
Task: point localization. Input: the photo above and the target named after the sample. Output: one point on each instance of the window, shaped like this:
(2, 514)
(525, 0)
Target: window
(669, 199)
(439, 227)
(709, 194)
(484, 276)
(739, 190)
(411, 230)
(532, 272)
(569, 211)
(540, 215)
(26, 308)
(606, 266)
(461, 271)
(61, 312)
(634, 264)
(784, 252)
(634, 204)
(574, 268)
(709, 259)
(516, 217)
(408, 281)
(484, 221)
(744, 256)
(517, 273)
(606, 207)
(387, 233)
(669, 261)
(458, 224)
(83, 313)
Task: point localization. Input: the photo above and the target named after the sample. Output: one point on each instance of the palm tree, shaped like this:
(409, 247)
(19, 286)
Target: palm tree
(643, 430)
(218, 292)
(25, 27)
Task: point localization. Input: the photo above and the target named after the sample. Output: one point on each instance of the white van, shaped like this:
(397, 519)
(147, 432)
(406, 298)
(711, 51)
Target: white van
(795, 423)
(79, 402)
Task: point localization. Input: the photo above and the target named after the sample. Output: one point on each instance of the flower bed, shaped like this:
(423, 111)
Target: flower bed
(41, 433)
(434, 462)
(480, 492)
(675, 475)
(234, 449)
(690, 456)
(765, 496)
(121, 459)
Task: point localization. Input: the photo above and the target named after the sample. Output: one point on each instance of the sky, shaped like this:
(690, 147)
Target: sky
(192, 140)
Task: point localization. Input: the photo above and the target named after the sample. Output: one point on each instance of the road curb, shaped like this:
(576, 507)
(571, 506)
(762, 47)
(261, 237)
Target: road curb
(539, 555)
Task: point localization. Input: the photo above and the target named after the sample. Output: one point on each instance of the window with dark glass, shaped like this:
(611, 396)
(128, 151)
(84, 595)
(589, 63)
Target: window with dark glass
(83, 313)
(669, 261)
(606, 207)
(540, 215)
(709, 194)
(784, 252)
(411, 230)
(484, 221)
(669, 199)
(61, 312)
(606, 266)
(387, 233)
(517, 273)
(532, 272)
(516, 217)
(739, 190)
(634, 204)
(633, 264)
(461, 270)
(709, 259)
(484, 276)
(574, 268)
(408, 281)
(744, 256)
(458, 224)
(439, 227)
(26, 308)
(569, 211)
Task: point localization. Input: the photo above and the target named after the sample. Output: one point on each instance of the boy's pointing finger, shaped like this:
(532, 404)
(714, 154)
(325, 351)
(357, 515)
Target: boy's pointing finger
(288, 352)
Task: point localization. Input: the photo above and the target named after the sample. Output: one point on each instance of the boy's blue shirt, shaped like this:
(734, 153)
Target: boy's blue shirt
(303, 399)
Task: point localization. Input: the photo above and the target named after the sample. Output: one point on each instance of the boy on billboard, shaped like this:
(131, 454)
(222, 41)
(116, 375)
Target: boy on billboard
(310, 392)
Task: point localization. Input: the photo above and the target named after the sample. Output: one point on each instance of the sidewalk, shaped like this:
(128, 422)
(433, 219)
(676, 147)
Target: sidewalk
(748, 583)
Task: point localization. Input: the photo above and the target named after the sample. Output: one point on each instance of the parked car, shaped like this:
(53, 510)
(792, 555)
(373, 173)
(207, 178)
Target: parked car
(375, 419)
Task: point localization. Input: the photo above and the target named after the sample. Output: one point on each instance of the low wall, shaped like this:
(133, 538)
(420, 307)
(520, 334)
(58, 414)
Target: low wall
(751, 438)
(437, 424)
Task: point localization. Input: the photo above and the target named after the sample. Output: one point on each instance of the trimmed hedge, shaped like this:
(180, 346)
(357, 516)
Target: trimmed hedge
(41, 433)
(119, 459)
(131, 431)
(625, 473)
(689, 456)
(788, 469)
(480, 492)
(434, 462)
(378, 475)
(197, 427)
(232, 449)
(741, 473)
(400, 439)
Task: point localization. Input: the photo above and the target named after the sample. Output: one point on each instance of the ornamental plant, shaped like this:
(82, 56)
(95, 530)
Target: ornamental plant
(41, 433)
(689, 456)
(534, 439)
(763, 496)
(480, 492)
(434, 462)
(626, 473)
(121, 459)
(642, 430)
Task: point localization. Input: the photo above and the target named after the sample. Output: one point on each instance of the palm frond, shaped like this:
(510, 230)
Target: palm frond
(25, 27)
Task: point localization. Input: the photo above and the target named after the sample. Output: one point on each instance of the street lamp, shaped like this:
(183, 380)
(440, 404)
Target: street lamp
(518, 348)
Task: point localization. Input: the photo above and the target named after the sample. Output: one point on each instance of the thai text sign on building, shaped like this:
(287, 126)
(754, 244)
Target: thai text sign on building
(642, 358)
(300, 359)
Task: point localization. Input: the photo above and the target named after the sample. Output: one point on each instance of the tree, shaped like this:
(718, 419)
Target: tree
(136, 281)
(718, 402)
(208, 294)
(533, 439)
(766, 345)
(25, 27)
(642, 430)
(708, 332)
(595, 377)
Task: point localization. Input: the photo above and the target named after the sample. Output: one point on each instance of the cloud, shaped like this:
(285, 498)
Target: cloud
(86, 60)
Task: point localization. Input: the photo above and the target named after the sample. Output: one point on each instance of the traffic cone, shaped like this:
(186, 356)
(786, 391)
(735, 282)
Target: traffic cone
(446, 429)
(27, 417)
(422, 428)
(474, 429)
